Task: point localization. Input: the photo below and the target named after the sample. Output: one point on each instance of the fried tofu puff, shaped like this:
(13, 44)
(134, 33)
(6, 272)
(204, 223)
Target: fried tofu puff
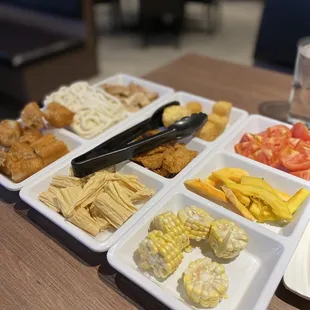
(222, 108)
(10, 132)
(194, 107)
(32, 116)
(58, 115)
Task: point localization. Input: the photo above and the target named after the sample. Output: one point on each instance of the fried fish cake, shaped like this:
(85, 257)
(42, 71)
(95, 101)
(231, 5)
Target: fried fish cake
(10, 132)
(32, 116)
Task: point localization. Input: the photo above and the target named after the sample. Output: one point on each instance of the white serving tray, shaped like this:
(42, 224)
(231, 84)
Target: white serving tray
(297, 274)
(254, 275)
(73, 142)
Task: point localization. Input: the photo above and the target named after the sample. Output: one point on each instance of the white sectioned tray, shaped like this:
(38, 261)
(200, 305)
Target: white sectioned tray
(297, 274)
(253, 275)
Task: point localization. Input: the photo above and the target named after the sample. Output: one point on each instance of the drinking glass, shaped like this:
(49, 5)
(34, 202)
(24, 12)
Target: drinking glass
(299, 100)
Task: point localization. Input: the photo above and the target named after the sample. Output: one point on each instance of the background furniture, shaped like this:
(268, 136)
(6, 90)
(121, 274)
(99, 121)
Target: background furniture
(45, 268)
(45, 44)
(283, 23)
(212, 13)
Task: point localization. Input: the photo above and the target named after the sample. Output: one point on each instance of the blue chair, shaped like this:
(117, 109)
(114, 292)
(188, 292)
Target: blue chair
(283, 23)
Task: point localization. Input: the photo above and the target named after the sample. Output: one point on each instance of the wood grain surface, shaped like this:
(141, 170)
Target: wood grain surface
(42, 267)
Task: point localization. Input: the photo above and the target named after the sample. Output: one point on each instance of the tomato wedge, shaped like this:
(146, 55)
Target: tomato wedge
(279, 130)
(300, 131)
(294, 160)
(304, 174)
(247, 148)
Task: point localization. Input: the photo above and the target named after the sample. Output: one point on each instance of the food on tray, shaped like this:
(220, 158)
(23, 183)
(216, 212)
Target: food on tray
(30, 135)
(166, 160)
(249, 196)
(279, 147)
(133, 97)
(173, 114)
(10, 132)
(32, 116)
(162, 252)
(196, 221)
(58, 115)
(217, 121)
(206, 282)
(169, 224)
(94, 110)
(159, 253)
(226, 239)
(103, 200)
(194, 107)
(23, 159)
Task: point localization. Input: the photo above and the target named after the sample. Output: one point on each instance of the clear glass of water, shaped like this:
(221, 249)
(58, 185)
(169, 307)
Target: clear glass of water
(300, 94)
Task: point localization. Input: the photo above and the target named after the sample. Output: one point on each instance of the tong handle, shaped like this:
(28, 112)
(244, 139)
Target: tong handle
(82, 166)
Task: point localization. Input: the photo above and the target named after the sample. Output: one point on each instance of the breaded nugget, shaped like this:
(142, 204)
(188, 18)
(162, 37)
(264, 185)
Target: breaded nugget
(10, 132)
(58, 115)
(32, 116)
(220, 121)
(173, 114)
(194, 107)
(30, 135)
(209, 132)
(174, 162)
(222, 108)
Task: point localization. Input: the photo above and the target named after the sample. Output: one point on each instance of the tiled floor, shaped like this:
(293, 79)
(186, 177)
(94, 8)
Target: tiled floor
(235, 41)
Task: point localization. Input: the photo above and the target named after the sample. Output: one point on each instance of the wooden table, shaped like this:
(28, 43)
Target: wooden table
(42, 267)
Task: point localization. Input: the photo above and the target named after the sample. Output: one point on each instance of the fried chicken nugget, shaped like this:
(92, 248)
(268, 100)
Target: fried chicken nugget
(32, 116)
(10, 132)
(58, 115)
(30, 135)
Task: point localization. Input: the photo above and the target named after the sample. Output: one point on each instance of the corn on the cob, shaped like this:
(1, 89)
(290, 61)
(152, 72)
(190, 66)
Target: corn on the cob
(159, 252)
(206, 282)
(196, 221)
(169, 224)
(226, 239)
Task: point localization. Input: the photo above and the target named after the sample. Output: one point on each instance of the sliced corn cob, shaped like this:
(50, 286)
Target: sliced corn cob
(226, 239)
(206, 282)
(159, 252)
(196, 221)
(169, 224)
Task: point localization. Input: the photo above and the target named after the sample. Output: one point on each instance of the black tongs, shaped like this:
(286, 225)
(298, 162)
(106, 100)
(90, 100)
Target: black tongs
(123, 146)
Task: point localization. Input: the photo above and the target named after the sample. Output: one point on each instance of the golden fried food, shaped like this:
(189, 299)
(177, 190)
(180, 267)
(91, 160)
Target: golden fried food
(10, 131)
(49, 148)
(58, 115)
(222, 108)
(106, 200)
(2, 158)
(133, 97)
(173, 114)
(166, 160)
(194, 107)
(220, 121)
(209, 132)
(32, 116)
(30, 135)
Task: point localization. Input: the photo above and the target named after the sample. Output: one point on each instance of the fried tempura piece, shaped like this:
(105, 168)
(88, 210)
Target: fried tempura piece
(32, 116)
(58, 115)
(10, 132)
(49, 148)
(174, 162)
(222, 108)
(30, 135)
(23, 169)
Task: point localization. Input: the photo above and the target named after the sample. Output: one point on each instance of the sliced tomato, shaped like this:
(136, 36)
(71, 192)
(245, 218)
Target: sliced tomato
(294, 160)
(267, 157)
(300, 131)
(278, 130)
(275, 143)
(247, 148)
(304, 174)
(293, 141)
(303, 147)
